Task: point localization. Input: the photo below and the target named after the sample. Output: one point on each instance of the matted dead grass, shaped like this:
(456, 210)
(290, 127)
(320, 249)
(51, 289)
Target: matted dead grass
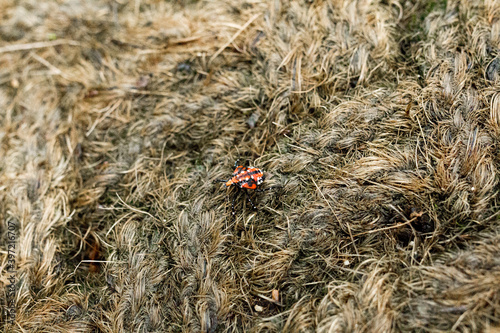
(380, 120)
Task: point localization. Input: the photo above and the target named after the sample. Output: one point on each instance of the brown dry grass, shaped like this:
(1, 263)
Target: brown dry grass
(379, 119)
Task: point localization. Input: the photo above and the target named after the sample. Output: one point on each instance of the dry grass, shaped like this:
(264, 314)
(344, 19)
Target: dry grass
(379, 119)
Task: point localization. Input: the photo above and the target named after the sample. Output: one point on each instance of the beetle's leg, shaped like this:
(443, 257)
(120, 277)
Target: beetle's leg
(250, 200)
(236, 163)
(266, 189)
(232, 204)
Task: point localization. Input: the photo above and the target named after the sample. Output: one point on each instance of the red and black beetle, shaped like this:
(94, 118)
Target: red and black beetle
(246, 178)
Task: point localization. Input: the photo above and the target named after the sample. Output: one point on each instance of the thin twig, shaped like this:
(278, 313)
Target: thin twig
(37, 45)
(234, 37)
(387, 228)
(348, 227)
(134, 209)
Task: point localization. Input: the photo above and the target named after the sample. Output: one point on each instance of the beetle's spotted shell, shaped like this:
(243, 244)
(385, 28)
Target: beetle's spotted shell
(246, 177)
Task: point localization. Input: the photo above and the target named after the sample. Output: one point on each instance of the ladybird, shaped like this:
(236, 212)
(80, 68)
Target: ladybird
(246, 178)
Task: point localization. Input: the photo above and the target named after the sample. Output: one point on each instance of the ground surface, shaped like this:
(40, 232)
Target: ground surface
(380, 120)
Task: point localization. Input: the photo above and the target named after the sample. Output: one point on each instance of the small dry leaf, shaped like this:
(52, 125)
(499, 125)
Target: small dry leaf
(14, 83)
(252, 120)
(74, 311)
(492, 69)
(142, 82)
(416, 213)
(92, 93)
(275, 295)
